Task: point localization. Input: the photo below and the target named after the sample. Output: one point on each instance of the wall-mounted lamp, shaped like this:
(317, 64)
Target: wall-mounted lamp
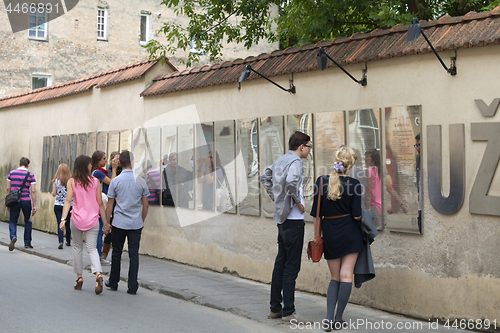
(415, 30)
(323, 57)
(246, 74)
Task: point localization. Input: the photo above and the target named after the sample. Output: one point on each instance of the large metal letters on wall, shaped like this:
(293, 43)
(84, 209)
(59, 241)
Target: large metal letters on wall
(215, 166)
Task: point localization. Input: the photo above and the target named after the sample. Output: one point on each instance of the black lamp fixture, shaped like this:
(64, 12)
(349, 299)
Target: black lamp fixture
(246, 74)
(323, 57)
(415, 30)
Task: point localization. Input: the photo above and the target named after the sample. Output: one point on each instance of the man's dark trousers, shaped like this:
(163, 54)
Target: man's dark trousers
(133, 238)
(15, 210)
(287, 265)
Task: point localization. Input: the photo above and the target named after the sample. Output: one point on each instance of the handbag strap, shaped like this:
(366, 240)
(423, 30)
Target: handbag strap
(319, 197)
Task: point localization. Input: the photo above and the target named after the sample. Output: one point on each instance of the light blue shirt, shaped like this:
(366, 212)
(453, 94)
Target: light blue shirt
(128, 189)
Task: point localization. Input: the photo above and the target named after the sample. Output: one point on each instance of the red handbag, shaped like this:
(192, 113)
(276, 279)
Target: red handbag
(315, 250)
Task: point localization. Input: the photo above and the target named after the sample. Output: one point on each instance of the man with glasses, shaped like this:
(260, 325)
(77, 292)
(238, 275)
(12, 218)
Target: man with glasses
(283, 182)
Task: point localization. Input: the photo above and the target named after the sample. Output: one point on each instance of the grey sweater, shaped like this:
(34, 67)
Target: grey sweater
(281, 181)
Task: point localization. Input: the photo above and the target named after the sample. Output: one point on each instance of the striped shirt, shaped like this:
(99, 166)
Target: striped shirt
(16, 178)
(153, 182)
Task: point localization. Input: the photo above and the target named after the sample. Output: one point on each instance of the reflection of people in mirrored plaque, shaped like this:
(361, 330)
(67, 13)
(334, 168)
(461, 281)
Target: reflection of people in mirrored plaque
(179, 181)
(390, 181)
(419, 185)
(153, 182)
(205, 173)
(166, 194)
(373, 199)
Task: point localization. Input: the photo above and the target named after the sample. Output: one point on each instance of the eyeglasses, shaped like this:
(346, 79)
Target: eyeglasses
(308, 146)
(417, 145)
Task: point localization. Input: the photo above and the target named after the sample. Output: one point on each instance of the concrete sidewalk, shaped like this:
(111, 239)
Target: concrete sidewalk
(223, 291)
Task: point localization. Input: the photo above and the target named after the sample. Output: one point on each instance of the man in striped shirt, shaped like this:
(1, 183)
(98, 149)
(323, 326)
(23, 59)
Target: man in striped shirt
(14, 182)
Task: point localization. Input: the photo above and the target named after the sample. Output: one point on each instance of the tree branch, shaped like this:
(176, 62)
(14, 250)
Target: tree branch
(224, 20)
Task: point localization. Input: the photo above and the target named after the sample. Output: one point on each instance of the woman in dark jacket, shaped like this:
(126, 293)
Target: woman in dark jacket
(342, 239)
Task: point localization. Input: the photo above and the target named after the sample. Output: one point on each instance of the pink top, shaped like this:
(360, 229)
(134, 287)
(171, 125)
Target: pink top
(375, 184)
(85, 213)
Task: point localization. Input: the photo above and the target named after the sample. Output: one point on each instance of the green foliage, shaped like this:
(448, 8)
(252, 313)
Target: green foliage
(212, 22)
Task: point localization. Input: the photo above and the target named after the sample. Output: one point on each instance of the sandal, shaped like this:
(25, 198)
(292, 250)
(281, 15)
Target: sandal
(79, 283)
(98, 287)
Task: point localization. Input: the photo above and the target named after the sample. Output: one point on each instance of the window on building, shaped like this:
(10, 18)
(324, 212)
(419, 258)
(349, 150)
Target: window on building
(40, 80)
(145, 29)
(37, 22)
(102, 24)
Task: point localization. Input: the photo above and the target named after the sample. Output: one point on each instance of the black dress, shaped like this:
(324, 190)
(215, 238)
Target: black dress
(341, 236)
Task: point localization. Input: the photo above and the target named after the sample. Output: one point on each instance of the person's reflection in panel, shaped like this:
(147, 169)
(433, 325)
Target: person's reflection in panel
(179, 181)
(166, 194)
(205, 173)
(153, 182)
(419, 185)
(373, 199)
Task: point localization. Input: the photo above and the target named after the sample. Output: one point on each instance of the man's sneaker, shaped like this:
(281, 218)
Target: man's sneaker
(29, 246)
(108, 284)
(294, 318)
(275, 315)
(104, 262)
(12, 242)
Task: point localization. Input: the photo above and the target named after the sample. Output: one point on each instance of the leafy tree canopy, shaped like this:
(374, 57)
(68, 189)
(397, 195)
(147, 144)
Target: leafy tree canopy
(291, 22)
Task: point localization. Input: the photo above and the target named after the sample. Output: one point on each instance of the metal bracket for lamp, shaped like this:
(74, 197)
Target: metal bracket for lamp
(414, 30)
(246, 74)
(323, 57)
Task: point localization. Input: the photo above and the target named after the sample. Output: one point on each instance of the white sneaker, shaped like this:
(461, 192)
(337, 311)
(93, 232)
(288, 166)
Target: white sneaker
(104, 262)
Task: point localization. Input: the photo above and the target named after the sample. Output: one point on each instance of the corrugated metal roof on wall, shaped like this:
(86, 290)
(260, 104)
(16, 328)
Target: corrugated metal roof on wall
(446, 33)
(114, 76)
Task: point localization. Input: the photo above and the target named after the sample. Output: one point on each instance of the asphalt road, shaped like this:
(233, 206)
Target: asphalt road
(37, 295)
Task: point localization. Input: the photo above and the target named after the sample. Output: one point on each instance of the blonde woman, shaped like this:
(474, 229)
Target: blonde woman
(59, 191)
(86, 192)
(342, 238)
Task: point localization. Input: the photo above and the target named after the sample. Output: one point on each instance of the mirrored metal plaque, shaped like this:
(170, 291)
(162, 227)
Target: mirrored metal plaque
(45, 163)
(185, 167)
(81, 148)
(169, 145)
(304, 124)
(91, 143)
(65, 150)
(50, 164)
(56, 146)
(364, 139)
(225, 149)
(154, 163)
(125, 140)
(138, 149)
(102, 143)
(401, 198)
(248, 172)
(272, 146)
(329, 136)
(206, 162)
(73, 147)
(113, 141)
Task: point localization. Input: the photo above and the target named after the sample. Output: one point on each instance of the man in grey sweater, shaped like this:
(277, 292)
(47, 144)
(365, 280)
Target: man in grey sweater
(283, 182)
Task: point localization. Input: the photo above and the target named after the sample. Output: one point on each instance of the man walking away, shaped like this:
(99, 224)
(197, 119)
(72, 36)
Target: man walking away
(283, 182)
(14, 182)
(130, 192)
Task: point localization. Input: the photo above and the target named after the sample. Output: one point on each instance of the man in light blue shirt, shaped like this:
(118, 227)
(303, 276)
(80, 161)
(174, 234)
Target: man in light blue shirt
(131, 195)
(283, 183)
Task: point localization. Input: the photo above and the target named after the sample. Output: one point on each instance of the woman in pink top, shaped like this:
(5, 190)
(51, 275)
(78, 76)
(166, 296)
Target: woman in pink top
(373, 200)
(85, 190)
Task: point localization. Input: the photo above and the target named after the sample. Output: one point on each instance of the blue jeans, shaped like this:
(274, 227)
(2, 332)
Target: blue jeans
(134, 239)
(99, 238)
(15, 210)
(287, 265)
(58, 211)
